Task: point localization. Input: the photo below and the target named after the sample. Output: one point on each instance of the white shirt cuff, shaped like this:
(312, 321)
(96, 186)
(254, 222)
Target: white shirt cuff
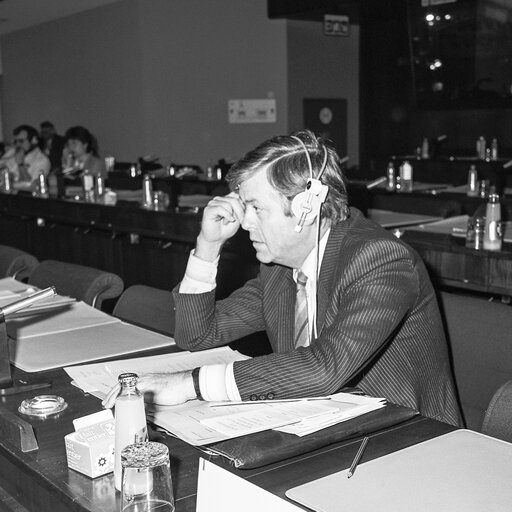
(200, 275)
(217, 383)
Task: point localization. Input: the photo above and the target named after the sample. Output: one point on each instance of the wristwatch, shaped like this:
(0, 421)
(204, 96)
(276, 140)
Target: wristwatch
(195, 379)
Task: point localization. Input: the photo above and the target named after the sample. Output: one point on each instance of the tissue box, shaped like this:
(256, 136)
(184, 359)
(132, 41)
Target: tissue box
(90, 449)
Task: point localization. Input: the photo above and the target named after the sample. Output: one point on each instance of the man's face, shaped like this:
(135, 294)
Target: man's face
(47, 132)
(273, 233)
(22, 142)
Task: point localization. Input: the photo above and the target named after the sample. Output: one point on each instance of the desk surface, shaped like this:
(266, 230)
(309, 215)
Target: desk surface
(41, 481)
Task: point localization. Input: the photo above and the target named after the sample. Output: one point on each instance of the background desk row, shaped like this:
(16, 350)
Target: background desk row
(147, 247)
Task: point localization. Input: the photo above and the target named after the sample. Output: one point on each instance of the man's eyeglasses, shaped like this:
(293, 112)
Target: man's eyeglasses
(20, 141)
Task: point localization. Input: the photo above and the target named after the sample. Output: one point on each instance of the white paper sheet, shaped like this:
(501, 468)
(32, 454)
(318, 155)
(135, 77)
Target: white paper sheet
(219, 490)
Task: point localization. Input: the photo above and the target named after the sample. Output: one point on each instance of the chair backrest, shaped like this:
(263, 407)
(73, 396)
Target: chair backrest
(148, 307)
(87, 284)
(16, 263)
(479, 336)
(498, 417)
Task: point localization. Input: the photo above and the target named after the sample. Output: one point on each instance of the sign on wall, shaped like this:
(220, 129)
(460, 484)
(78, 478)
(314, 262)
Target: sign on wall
(336, 25)
(252, 111)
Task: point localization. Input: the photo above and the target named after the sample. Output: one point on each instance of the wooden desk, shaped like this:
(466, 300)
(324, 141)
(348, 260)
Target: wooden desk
(40, 480)
(452, 265)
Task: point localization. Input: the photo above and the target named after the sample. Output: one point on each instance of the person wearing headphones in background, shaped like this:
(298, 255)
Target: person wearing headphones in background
(369, 319)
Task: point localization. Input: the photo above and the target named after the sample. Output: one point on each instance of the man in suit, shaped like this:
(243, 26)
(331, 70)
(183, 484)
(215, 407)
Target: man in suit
(371, 318)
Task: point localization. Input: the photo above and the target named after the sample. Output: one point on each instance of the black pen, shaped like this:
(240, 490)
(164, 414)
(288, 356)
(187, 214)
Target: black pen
(358, 456)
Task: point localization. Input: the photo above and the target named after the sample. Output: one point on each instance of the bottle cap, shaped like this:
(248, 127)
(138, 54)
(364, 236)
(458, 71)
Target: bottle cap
(128, 378)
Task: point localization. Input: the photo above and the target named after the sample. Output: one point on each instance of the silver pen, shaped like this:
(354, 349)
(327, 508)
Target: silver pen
(358, 456)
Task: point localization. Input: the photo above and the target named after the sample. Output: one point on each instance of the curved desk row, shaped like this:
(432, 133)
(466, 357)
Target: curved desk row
(152, 248)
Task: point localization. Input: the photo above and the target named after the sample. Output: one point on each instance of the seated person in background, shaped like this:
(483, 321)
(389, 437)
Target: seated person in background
(26, 161)
(81, 152)
(52, 144)
(371, 319)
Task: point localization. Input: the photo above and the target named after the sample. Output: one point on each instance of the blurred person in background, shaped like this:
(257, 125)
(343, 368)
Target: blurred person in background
(52, 144)
(81, 152)
(25, 160)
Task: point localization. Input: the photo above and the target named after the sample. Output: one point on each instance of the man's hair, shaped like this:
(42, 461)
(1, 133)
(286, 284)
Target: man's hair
(31, 131)
(84, 136)
(288, 170)
(47, 124)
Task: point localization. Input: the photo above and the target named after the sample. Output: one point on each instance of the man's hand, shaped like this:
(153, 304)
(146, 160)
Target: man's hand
(221, 220)
(160, 389)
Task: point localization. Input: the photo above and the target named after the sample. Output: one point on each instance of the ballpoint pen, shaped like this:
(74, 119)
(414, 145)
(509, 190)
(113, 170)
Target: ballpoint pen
(358, 456)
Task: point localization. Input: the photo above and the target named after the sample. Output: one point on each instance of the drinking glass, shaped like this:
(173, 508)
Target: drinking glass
(146, 478)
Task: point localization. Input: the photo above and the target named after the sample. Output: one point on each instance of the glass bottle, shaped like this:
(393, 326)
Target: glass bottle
(5, 178)
(492, 235)
(42, 187)
(390, 177)
(88, 186)
(494, 149)
(130, 420)
(472, 181)
(406, 177)
(147, 193)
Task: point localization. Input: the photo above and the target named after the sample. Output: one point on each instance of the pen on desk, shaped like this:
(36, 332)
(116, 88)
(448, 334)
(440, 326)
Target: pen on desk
(358, 456)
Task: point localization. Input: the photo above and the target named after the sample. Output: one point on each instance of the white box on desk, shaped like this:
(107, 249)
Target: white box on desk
(90, 449)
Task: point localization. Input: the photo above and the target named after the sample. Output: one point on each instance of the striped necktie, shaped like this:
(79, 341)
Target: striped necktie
(301, 312)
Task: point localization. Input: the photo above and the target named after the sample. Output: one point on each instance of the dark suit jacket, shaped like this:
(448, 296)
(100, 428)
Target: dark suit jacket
(379, 326)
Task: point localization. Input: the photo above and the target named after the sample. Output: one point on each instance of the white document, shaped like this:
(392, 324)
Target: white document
(344, 406)
(200, 423)
(219, 490)
(9, 285)
(98, 378)
(249, 420)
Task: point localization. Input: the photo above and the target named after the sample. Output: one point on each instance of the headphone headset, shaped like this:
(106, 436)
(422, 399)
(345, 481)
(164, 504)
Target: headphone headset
(306, 205)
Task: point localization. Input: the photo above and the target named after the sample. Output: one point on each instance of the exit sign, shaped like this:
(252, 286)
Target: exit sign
(336, 25)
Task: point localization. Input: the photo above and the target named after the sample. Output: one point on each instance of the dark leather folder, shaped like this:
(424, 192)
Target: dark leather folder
(269, 446)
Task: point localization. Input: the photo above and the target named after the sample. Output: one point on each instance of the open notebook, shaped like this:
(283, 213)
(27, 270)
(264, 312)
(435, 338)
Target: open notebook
(460, 471)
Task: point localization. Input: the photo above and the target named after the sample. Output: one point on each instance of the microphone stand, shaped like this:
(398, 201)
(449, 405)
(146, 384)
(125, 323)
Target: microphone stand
(7, 387)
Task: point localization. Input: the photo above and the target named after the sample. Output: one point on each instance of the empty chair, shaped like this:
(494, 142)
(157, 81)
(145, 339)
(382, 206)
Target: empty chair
(478, 333)
(83, 283)
(498, 416)
(16, 263)
(148, 307)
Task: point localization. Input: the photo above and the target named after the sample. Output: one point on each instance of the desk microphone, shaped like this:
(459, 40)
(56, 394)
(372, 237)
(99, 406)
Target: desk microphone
(26, 302)
(6, 384)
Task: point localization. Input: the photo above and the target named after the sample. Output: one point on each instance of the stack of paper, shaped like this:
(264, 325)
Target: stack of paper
(200, 423)
(345, 407)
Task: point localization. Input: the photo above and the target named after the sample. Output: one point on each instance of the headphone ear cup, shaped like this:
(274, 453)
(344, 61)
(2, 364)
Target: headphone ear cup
(305, 206)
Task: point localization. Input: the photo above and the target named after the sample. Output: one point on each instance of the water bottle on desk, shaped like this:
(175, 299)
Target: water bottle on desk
(405, 177)
(492, 236)
(147, 193)
(390, 178)
(130, 420)
(88, 186)
(473, 184)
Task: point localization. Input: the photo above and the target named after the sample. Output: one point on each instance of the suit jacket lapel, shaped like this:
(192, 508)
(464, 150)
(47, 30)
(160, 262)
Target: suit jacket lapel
(330, 261)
